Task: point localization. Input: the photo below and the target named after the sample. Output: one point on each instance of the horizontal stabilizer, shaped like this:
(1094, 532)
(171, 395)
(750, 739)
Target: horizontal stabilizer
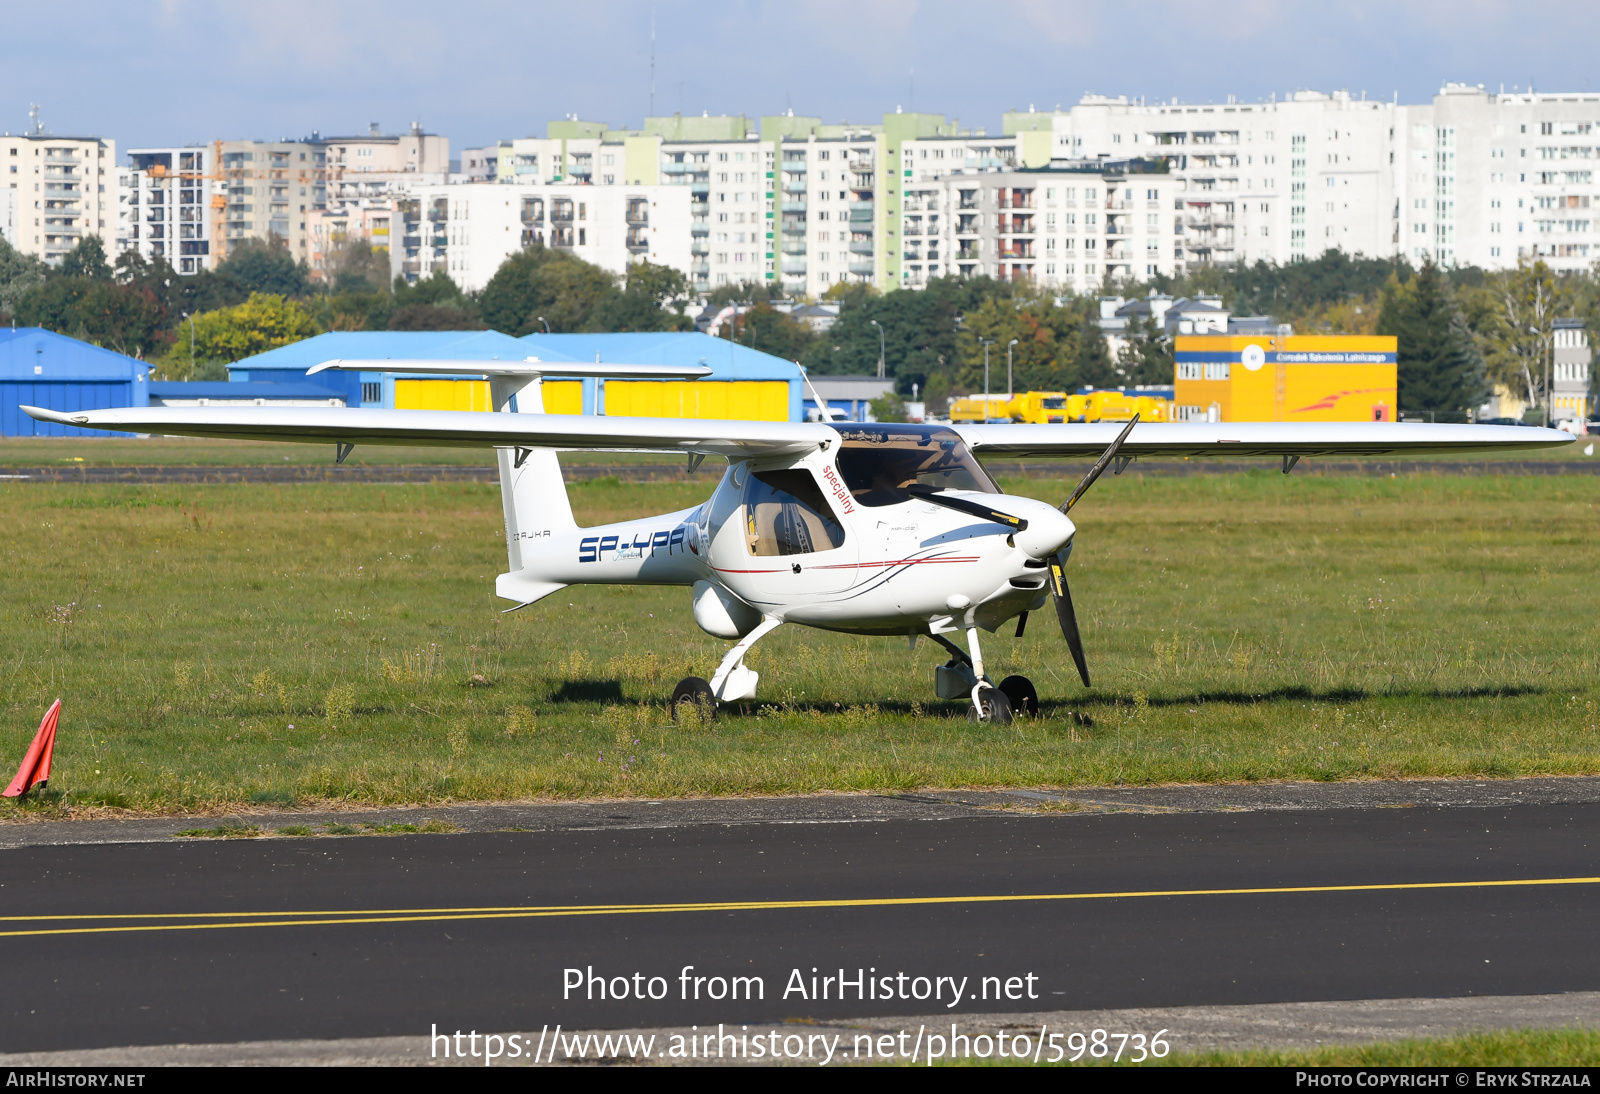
(523, 588)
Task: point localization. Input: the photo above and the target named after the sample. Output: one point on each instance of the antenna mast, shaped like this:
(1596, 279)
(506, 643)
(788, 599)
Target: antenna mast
(652, 61)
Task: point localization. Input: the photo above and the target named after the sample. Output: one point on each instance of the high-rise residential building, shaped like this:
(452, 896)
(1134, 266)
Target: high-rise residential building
(375, 152)
(167, 201)
(1472, 178)
(62, 189)
(269, 187)
(469, 230)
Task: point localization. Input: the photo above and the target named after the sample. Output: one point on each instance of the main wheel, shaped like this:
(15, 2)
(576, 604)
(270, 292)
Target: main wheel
(693, 692)
(996, 707)
(1019, 689)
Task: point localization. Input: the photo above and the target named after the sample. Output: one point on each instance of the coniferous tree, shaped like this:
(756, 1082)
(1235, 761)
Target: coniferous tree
(1440, 372)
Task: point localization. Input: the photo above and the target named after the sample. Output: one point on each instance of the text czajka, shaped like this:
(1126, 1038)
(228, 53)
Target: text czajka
(855, 985)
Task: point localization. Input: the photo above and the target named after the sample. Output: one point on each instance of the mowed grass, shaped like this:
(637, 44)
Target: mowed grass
(288, 644)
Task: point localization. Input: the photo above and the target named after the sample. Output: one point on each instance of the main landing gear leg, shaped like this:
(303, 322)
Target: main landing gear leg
(733, 679)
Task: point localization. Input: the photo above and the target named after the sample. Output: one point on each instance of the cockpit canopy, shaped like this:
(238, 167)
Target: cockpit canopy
(878, 461)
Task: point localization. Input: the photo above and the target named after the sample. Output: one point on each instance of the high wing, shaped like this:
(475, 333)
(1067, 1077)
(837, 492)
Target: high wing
(457, 429)
(1252, 439)
(740, 439)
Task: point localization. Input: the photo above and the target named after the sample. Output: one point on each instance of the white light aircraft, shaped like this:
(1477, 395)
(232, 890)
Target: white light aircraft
(870, 529)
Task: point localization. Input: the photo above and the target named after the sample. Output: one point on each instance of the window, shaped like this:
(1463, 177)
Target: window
(786, 513)
(1216, 370)
(1189, 370)
(878, 462)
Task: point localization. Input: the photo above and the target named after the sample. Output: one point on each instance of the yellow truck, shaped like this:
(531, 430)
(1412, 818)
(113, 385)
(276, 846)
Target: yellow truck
(1044, 407)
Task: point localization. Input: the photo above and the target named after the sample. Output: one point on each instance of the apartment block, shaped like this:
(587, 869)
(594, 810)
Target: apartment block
(375, 152)
(270, 187)
(1064, 227)
(1472, 178)
(469, 230)
(167, 201)
(61, 190)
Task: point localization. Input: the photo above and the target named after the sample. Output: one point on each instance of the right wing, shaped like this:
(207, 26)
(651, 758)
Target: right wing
(457, 429)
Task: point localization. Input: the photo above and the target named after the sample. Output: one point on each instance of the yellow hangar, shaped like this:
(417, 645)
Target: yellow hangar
(1312, 378)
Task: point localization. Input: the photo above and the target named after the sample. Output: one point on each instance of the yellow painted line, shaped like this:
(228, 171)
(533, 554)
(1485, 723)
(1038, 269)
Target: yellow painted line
(226, 920)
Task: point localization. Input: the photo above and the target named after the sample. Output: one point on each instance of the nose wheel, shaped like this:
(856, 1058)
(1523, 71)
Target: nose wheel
(693, 693)
(964, 675)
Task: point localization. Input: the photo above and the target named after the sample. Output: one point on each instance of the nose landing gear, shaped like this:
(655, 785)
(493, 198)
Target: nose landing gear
(964, 675)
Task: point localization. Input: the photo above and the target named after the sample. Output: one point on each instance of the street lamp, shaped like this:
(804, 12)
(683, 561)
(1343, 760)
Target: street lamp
(987, 342)
(546, 323)
(190, 318)
(874, 322)
(1009, 344)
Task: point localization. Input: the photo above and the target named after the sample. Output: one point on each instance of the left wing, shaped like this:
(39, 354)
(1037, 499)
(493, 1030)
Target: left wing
(1252, 439)
(457, 429)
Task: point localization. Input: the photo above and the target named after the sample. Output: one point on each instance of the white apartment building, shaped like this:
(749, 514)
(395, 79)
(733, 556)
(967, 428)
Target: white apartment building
(469, 230)
(1064, 228)
(1472, 178)
(61, 190)
(167, 200)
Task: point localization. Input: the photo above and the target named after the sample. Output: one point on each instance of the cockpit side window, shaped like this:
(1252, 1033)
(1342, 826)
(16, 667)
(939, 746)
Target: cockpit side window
(785, 513)
(878, 462)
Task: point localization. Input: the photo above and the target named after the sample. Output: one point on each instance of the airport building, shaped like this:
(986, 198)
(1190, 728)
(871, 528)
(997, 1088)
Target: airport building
(42, 368)
(1285, 378)
(745, 384)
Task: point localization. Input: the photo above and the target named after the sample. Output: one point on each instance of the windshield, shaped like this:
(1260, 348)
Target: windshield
(879, 461)
(1054, 404)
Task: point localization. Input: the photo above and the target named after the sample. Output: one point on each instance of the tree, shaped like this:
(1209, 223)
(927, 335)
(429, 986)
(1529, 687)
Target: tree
(889, 408)
(1146, 355)
(769, 330)
(652, 299)
(126, 318)
(540, 283)
(87, 259)
(265, 267)
(433, 317)
(1440, 372)
(354, 267)
(18, 274)
(265, 321)
(1516, 313)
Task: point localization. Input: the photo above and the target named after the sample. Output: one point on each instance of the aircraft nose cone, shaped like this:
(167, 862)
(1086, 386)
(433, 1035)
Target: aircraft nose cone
(1049, 530)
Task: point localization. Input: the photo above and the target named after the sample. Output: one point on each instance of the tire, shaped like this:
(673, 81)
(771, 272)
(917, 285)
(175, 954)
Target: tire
(693, 692)
(1020, 690)
(996, 707)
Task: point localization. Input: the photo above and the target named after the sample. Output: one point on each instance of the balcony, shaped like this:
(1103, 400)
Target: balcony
(701, 190)
(794, 186)
(699, 228)
(794, 246)
(700, 247)
(797, 266)
(1016, 202)
(561, 212)
(561, 237)
(700, 269)
(1017, 251)
(699, 209)
(638, 240)
(861, 267)
(638, 212)
(676, 168)
(862, 246)
(794, 206)
(865, 208)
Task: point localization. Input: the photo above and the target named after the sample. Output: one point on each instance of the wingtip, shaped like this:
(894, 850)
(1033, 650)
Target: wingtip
(41, 414)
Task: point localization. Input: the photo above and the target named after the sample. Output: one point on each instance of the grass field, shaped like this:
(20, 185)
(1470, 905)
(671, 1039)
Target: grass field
(220, 645)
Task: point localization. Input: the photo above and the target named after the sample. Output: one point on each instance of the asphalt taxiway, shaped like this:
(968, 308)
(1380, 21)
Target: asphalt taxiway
(1485, 889)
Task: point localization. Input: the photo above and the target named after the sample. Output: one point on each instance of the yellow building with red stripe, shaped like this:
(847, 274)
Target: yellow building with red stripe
(1310, 378)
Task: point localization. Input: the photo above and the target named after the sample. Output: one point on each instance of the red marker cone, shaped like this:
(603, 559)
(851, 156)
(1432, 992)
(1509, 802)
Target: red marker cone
(35, 769)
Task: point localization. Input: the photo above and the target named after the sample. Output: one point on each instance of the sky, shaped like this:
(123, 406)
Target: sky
(165, 72)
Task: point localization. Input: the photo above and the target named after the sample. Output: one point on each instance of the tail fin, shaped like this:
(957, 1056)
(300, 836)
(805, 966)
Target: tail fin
(532, 492)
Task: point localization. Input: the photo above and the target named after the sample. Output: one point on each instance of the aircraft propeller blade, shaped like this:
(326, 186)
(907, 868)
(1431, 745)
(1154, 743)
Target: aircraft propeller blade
(971, 508)
(1066, 616)
(1100, 465)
